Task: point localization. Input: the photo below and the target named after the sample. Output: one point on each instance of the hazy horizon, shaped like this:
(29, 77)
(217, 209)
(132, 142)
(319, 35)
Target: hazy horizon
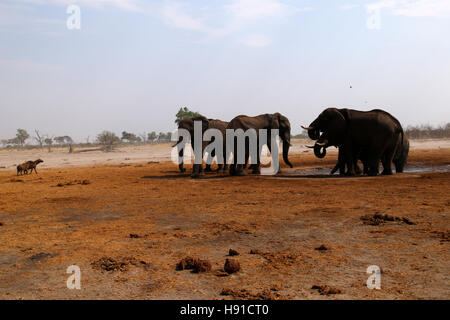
(134, 63)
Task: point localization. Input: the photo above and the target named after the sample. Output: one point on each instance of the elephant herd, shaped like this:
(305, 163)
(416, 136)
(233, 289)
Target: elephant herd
(368, 136)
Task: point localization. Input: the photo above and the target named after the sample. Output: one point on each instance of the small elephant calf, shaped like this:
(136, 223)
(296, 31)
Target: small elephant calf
(29, 165)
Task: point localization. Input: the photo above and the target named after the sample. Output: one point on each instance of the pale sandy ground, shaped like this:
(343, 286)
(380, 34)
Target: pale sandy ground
(60, 158)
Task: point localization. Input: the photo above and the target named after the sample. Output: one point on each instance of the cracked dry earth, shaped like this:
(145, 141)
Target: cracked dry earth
(295, 237)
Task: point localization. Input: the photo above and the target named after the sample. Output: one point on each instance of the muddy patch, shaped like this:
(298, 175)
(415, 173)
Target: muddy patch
(74, 215)
(73, 182)
(325, 171)
(41, 256)
(377, 219)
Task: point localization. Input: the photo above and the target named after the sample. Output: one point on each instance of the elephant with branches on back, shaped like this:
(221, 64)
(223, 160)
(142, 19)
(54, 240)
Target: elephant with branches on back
(375, 134)
(264, 121)
(188, 124)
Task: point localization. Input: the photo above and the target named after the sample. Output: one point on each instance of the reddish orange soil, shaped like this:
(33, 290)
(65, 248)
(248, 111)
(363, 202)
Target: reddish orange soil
(128, 226)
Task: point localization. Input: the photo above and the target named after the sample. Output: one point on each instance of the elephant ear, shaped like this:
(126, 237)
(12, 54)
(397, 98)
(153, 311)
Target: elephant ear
(205, 122)
(345, 114)
(336, 124)
(274, 121)
(284, 126)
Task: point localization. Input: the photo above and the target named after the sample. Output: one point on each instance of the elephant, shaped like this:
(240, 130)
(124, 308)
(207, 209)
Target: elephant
(370, 135)
(399, 160)
(188, 124)
(263, 121)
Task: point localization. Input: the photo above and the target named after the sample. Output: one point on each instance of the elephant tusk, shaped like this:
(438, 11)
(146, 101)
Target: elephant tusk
(322, 144)
(307, 128)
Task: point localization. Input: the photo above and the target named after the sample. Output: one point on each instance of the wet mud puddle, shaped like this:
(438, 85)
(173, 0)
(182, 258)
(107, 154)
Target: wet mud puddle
(320, 171)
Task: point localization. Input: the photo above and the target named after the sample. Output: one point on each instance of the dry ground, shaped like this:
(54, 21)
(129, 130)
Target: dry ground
(128, 225)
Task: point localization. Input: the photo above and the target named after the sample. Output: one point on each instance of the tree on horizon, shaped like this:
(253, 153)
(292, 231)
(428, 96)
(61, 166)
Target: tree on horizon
(185, 113)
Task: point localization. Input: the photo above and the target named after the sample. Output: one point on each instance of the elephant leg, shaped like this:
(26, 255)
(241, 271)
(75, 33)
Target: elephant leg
(181, 155)
(334, 169)
(355, 163)
(239, 169)
(373, 163)
(197, 171)
(365, 167)
(398, 166)
(256, 166)
(387, 162)
(256, 169)
(233, 165)
(348, 154)
(357, 168)
(340, 164)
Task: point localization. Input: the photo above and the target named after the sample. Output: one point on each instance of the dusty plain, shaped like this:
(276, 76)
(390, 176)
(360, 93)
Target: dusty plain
(127, 218)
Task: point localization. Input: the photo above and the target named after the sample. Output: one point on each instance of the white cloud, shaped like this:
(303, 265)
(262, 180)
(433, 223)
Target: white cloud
(255, 9)
(422, 8)
(129, 5)
(415, 8)
(235, 16)
(174, 15)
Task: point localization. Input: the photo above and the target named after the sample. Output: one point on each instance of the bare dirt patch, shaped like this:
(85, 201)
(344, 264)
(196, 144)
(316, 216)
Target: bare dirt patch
(143, 219)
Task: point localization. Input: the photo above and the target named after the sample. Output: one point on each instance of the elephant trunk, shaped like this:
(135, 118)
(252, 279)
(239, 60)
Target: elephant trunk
(180, 154)
(286, 146)
(318, 152)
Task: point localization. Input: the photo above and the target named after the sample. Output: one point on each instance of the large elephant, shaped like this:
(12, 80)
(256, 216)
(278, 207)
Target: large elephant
(264, 121)
(399, 160)
(375, 133)
(188, 124)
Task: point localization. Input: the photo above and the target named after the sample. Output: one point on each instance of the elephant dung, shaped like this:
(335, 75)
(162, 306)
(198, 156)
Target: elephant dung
(231, 266)
(197, 265)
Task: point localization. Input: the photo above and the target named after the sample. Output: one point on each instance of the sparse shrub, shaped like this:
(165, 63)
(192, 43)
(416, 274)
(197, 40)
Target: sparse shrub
(107, 139)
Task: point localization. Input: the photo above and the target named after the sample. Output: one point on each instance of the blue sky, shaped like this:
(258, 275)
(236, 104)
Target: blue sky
(134, 63)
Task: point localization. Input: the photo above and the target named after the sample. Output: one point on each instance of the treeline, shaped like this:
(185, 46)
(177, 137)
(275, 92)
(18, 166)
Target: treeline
(428, 132)
(413, 132)
(106, 138)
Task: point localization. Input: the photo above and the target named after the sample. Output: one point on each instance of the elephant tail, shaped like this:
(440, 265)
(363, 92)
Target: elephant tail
(402, 151)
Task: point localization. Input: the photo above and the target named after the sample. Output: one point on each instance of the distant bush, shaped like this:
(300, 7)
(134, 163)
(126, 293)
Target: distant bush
(428, 132)
(107, 139)
(302, 135)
